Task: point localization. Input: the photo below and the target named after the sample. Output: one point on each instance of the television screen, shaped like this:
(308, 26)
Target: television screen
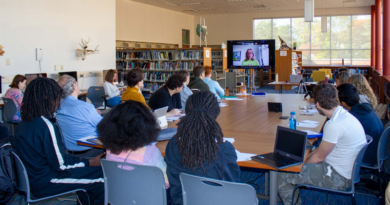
(254, 54)
(32, 76)
(71, 73)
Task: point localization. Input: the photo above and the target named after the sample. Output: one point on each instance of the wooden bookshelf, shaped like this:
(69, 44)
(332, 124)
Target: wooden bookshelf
(285, 62)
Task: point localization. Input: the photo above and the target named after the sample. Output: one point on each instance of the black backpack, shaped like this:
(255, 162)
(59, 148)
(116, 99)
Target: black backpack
(7, 173)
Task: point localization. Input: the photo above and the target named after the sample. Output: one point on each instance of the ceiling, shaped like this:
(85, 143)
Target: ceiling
(196, 7)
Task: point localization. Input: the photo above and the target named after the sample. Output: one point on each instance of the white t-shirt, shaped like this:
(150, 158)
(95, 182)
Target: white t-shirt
(111, 90)
(344, 130)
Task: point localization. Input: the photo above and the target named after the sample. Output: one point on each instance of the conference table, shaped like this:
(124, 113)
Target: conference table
(254, 129)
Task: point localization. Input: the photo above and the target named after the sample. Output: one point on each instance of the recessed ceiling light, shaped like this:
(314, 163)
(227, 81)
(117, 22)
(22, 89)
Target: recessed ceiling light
(170, 3)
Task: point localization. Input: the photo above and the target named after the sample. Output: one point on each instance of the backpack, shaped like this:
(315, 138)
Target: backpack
(7, 173)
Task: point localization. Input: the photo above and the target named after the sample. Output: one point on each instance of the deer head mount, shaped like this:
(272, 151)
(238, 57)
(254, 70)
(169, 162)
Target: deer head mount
(84, 51)
(1, 50)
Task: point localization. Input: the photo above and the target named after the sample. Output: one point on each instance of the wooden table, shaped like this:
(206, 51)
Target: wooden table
(281, 83)
(254, 128)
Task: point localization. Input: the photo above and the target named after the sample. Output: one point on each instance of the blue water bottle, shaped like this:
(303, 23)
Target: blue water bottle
(292, 122)
(357, 70)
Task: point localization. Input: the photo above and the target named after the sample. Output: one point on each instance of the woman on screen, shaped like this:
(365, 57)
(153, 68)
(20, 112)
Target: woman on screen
(250, 59)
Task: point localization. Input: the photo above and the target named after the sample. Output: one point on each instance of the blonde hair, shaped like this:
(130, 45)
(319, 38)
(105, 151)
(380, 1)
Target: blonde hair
(361, 84)
(246, 55)
(343, 77)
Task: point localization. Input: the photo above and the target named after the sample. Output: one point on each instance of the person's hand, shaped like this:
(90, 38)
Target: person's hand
(98, 111)
(172, 113)
(95, 162)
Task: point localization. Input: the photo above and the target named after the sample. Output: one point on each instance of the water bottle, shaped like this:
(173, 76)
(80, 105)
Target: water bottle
(292, 122)
(357, 70)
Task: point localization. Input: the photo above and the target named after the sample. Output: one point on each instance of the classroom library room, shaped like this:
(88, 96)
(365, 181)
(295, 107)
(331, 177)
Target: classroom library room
(194, 102)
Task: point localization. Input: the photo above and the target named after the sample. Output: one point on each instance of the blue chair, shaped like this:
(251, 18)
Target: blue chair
(201, 190)
(355, 177)
(96, 95)
(9, 112)
(381, 157)
(139, 184)
(23, 184)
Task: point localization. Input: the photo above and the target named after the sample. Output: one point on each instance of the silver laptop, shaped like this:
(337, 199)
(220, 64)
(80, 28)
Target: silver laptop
(295, 78)
(160, 112)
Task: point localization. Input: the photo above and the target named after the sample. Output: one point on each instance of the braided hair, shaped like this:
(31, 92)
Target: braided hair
(42, 98)
(198, 133)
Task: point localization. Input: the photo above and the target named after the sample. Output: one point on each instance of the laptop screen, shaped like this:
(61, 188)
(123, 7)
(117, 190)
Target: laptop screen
(290, 143)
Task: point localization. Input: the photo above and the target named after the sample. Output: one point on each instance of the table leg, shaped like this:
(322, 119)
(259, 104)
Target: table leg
(266, 184)
(273, 198)
(280, 89)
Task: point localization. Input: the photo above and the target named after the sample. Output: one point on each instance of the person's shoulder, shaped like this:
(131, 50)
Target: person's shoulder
(227, 147)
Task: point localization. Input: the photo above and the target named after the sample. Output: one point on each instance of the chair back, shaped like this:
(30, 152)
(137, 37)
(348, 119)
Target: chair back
(356, 166)
(382, 146)
(95, 95)
(200, 190)
(139, 184)
(327, 71)
(22, 182)
(9, 110)
(369, 139)
(318, 75)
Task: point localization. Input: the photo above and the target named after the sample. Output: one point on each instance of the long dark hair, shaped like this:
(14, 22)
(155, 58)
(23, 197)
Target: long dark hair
(198, 133)
(17, 79)
(42, 98)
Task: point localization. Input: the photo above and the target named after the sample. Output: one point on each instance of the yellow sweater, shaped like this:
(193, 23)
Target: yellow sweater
(132, 93)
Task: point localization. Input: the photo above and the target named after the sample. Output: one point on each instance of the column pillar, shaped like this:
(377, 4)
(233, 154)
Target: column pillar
(386, 37)
(373, 36)
(378, 35)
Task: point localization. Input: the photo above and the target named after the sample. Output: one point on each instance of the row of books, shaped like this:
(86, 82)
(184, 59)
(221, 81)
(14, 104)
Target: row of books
(163, 76)
(133, 55)
(191, 54)
(167, 55)
(216, 63)
(216, 53)
(153, 86)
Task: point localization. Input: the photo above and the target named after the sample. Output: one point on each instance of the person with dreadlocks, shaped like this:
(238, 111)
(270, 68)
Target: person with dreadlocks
(198, 147)
(39, 145)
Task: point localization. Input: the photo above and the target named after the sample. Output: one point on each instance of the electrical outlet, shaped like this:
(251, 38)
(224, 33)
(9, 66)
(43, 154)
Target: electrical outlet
(81, 75)
(62, 67)
(56, 68)
(8, 61)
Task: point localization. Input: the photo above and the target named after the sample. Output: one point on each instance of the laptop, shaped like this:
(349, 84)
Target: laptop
(289, 150)
(160, 112)
(295, 78)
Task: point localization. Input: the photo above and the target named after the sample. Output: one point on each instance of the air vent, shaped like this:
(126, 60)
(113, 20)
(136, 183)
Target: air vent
(125, 44)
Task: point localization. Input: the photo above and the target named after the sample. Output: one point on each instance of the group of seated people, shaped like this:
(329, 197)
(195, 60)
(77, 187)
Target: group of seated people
(53, 119)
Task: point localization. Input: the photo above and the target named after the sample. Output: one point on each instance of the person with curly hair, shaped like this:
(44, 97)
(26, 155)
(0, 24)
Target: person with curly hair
(366, 95)
(128, 132)
(198, 147)
(135, 83)
(169, 95)
(186, 91)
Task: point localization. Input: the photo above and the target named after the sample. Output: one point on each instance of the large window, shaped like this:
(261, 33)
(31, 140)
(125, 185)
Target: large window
(348, 38)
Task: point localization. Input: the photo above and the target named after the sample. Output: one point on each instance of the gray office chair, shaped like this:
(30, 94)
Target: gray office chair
(9, 112)
(96, 95)
(381, 157)
(201, 190)
(355, 178)
(23, 184)
(139, 184)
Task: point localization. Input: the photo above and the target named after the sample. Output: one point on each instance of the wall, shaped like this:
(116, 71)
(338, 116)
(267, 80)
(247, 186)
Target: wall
(57, 27)
(145, 23)
(222, 27)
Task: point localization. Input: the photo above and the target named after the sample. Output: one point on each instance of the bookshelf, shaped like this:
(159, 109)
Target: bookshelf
(160, 64)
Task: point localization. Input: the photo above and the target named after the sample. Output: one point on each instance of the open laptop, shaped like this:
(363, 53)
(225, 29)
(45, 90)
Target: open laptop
(160, 112)
(295, 78)
(289, 150)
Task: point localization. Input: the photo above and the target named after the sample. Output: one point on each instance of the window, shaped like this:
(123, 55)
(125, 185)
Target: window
(348, 38)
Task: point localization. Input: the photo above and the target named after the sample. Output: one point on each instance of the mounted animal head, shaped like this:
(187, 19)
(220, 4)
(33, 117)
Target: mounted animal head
(84, 51)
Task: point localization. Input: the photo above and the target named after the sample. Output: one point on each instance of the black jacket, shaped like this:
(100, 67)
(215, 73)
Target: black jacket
(162, 98)
(372, 126)
(225, 168)
(197, 83)
(42, 151)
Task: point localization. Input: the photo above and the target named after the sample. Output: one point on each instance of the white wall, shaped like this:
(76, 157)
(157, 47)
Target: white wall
(57, 27)
(140, 22)
(223, 27)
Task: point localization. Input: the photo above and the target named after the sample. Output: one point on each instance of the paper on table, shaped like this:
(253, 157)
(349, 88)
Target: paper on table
(310, 122)
(309, 132)
(171, 119)
(240, 94)
(243, 156)
(307, 125)
(221, 104)
(231, 140)
(234, 99)
(182, 115)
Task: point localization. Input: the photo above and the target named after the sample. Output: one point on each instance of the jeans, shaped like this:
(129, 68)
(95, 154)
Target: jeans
(112, 102)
